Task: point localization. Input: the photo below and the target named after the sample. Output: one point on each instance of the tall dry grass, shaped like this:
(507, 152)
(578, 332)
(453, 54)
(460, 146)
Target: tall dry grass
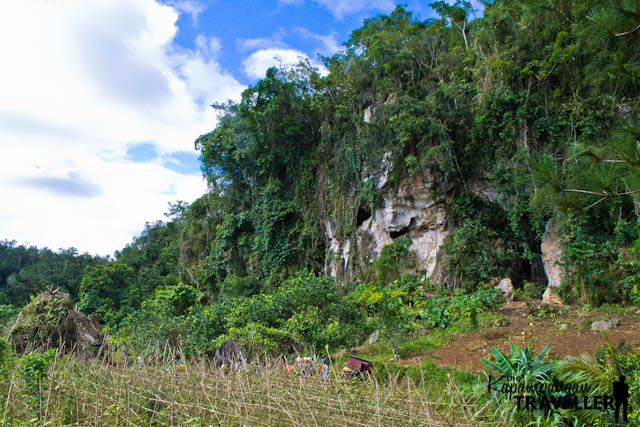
(160, 392)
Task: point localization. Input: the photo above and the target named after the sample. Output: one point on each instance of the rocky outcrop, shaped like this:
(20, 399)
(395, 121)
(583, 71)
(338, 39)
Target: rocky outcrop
(604, 325)
(482, 188)
(552, 254)
(551, 296)
(552, 259)
(411, 211)
(506, 286)
(49, 320)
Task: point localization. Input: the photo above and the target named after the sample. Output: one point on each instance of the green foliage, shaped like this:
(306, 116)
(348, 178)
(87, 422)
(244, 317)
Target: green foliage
(592, 248)
(442, 311)
(530, 291)
(475, 255)
(305, 307)
(8, 313)
(595, 172)
(103, 291)
(26, 271)
(629, 364)
(596, 375)
(43, 322)
(175, 300)
(258, 164)
(628, 264)
(522, 364)
(393, 257)
(388, 313)
(33, 369)
(5, 356)
(163, 319)
(304, 311)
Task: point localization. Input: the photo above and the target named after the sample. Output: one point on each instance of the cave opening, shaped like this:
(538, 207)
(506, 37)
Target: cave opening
(530, 270)
(398, 233)
(364, 213)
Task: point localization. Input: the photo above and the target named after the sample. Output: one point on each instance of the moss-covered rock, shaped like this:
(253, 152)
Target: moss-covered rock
(50, 320)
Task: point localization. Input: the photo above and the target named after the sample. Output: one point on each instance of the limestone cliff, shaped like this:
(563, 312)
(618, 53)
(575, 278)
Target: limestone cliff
(408, 209)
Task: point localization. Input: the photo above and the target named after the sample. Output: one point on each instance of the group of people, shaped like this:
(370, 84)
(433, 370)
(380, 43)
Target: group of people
(305, 368)
(128, 362)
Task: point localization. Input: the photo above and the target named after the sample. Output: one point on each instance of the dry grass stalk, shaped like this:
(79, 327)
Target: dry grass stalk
(161, 392)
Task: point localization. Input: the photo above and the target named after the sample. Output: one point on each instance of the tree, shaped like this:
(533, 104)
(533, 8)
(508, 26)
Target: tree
(387, 312)
(103, 290)
(592, 175)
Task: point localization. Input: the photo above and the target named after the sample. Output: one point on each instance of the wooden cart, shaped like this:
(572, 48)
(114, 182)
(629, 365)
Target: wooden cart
(356, 367)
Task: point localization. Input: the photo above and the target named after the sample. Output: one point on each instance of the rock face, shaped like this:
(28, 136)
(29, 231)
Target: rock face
(369, 113)
(552, 254)
(410, 211)
(551, 297)
(373, 337)
(506, 286)
(551, 258)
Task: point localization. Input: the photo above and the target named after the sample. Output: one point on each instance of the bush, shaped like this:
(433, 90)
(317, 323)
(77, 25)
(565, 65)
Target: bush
(8, 314)
(33, 369)
(475, 255)
(50, 321)
(442, 311)
(388, 312)
(393, 257)
(161, 319)
(305, 311)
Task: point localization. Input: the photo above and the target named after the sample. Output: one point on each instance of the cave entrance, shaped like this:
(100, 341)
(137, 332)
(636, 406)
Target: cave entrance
(398, 233)
(364, 213)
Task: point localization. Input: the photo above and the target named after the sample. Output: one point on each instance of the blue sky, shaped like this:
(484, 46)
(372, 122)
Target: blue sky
(311, 27)
(102, 101)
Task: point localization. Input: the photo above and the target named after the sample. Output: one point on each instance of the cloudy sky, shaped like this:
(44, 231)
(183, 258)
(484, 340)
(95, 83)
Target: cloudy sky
(101, 101)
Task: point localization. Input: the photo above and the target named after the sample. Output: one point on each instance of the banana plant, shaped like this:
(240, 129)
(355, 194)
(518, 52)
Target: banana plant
(522, 364)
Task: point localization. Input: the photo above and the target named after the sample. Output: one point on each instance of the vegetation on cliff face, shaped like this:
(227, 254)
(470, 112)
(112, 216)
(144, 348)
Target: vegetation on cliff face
(539, 99)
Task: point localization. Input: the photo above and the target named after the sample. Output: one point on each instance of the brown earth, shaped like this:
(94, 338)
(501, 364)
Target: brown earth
(524, 323)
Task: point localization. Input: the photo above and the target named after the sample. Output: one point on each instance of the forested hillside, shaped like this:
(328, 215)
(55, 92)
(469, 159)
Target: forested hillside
(537, 102)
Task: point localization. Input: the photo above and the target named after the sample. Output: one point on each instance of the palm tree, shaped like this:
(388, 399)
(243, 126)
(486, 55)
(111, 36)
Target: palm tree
(596, 376)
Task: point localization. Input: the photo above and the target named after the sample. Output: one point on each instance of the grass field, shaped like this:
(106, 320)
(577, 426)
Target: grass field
(194, 393)
(424, 386)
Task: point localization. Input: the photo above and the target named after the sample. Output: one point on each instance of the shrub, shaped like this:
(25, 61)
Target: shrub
(393, 257)
(49, 321)
(475, 255)
(33, 369)
(441, 311)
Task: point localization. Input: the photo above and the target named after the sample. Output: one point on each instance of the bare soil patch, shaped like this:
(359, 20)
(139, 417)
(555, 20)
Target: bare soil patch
(464, 350)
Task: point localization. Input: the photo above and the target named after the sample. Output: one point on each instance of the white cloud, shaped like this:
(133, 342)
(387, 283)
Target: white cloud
(193, 8)
(210, 47)
(263, 42)
(340, 8)
(79, 82)
(328, 42)
(256, 64)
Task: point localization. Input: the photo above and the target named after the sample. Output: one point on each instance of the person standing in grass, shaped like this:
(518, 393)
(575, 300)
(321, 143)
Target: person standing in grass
(325, 369)
(307, 367)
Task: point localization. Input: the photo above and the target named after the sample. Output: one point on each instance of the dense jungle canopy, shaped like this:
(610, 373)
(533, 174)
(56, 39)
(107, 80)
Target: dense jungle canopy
(539, 98)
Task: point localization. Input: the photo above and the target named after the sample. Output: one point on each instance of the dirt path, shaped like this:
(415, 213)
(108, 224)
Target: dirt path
(465, 350)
